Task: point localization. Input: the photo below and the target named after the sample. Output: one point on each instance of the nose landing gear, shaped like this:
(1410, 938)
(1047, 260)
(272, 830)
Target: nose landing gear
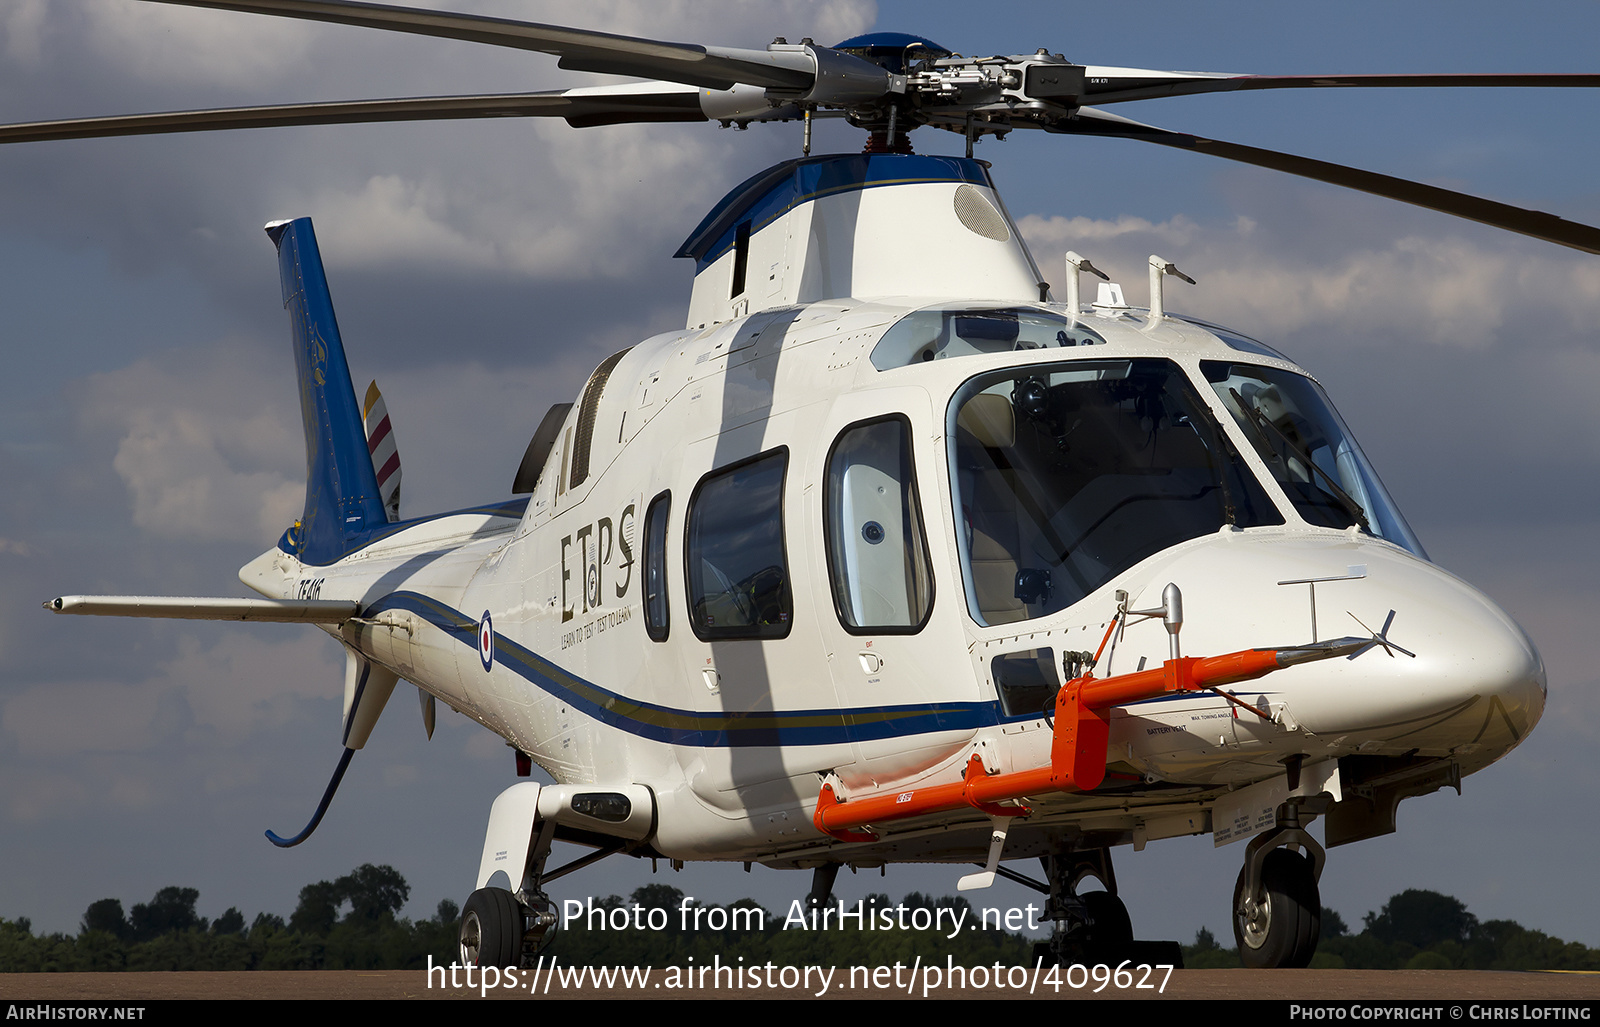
(1277, 910)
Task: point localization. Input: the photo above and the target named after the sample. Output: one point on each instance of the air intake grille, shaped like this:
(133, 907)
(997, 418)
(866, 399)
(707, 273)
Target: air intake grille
(979, 215)
(587, 409)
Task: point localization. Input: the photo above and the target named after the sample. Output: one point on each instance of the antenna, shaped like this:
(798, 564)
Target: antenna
(1159, 268)
(1170, 611)
(1076, 263)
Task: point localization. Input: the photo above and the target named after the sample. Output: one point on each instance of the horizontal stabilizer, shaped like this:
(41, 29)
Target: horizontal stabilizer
(316, 611)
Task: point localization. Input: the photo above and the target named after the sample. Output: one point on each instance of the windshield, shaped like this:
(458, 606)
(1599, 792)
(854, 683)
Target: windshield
(1065, 475)
(1305, 445)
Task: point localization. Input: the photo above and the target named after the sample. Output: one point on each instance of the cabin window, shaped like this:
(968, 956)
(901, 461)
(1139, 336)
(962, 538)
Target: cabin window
(1308, 450)
(877, 550)
(1066, 475)
(735, 566)
(656, 610)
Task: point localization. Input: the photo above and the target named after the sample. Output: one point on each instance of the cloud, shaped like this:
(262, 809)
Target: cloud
(389, 215)
(158, 43)
(249, 680)
(206, 695)
(1059, 233)
(577, 208)
(1445, 290)
(204, 452)
(196, 721)
(511, 200)
(22, 27)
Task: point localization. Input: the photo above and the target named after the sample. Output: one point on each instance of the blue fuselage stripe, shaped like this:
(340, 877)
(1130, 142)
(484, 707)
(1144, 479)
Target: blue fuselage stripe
(717, 729)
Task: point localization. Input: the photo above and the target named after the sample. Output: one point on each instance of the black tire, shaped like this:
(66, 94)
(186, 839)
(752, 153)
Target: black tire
(1111, 923)
(1285, 929)
(491, 929)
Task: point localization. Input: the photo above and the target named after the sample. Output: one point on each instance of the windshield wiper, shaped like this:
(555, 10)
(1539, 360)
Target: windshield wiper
(1222, 451)
(1258, 420)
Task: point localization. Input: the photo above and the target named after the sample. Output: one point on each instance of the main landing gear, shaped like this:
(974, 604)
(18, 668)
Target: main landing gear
(495, 929)
(506, 929)
(507, 920)
(1277, 911)
(1090, 927)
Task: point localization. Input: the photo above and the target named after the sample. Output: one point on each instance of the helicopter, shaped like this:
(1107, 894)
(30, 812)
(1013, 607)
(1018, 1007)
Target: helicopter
(983, 329)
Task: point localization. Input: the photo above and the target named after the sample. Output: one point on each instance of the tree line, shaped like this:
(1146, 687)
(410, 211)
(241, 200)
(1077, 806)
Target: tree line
(353, 923)
(1422, 930)
(350, 923)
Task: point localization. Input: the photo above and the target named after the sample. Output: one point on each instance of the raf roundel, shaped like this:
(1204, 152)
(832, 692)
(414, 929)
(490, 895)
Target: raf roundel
(486, 641)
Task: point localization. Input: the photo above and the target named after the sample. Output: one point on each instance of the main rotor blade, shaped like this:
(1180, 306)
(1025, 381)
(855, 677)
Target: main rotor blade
(1115, 85)
(579, 49)
(1535, 223)
(582, 108)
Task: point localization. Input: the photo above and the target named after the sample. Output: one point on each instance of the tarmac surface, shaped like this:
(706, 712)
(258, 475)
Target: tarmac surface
(1272, 985)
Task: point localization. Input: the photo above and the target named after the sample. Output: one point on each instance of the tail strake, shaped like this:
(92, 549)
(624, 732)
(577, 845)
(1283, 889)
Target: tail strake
(343, 503)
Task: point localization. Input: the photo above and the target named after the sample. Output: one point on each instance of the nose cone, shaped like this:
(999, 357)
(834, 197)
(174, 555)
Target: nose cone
(1447, 674)
(1475, 688)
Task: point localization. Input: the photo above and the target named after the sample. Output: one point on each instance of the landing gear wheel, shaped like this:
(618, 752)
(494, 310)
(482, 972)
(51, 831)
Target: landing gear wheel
(491, 929)
(1111, 927)
(1281, 928)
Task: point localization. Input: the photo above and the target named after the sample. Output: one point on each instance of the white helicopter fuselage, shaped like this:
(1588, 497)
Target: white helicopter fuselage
(549, 627)
(887, 557)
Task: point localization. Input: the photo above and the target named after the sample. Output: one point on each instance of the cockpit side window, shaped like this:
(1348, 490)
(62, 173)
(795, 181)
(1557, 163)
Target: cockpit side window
(1065, 475)
(877, 550)
(735, 565)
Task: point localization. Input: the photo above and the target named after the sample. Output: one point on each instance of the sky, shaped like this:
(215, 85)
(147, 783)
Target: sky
(149, 428)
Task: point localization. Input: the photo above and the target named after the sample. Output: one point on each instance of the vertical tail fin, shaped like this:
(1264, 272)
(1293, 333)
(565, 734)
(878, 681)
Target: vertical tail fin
(343, 503)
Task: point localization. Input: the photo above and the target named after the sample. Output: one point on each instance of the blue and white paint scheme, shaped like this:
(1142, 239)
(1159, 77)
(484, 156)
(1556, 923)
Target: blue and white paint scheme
(860, 537)
(685, 626)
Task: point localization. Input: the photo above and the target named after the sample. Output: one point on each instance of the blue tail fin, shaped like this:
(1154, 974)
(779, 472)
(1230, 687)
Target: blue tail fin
(342, 499)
